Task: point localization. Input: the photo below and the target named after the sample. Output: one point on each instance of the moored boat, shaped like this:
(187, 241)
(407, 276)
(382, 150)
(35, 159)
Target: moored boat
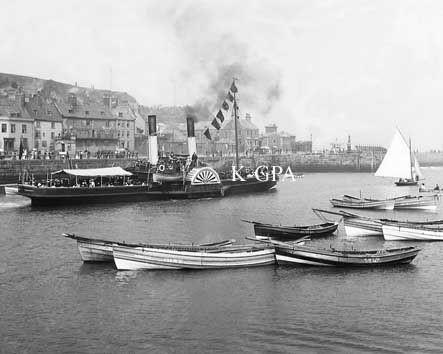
(139, 258)
(344, 258)
(358, 225)
(412, 232)
(293, 232)
(428, 202)
(297, 254)
(99, 250)
(357, 203)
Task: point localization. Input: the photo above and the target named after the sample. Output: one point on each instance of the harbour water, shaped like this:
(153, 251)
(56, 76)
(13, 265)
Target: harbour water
(52, 303)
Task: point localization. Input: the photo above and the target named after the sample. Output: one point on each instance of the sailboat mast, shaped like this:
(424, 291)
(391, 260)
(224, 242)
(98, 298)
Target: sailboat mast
(236, 130)
(410, 157)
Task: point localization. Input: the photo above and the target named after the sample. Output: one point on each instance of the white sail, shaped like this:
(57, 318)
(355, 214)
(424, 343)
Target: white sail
(397, 161)
(416, 171)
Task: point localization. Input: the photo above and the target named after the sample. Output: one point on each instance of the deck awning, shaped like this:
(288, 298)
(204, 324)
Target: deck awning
(95, 172)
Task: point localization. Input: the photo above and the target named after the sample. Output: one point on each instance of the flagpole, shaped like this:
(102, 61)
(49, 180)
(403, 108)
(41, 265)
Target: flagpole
(236, 130)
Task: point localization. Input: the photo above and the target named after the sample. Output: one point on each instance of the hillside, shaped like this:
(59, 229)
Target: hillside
(59, 91)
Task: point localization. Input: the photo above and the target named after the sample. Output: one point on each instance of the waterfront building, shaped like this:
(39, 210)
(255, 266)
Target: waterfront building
(16, 125)
(223, 140)
(92, 123)
(277, 142)
(47, 123)
(125, 117)
(371, 148)
(302, 146)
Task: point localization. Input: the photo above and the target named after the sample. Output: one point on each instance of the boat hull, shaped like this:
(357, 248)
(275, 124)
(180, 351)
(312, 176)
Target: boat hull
(250, 185)
(95, 251)
(363, 204)
(308, 256)
(420, 202)
(355, 227)
(406, 183)
(71, 195)
(294, 233)
(138, 258)
(409, 233)
(44, 196)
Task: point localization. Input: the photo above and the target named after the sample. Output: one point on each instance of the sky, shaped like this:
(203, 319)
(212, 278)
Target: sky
(326, 68)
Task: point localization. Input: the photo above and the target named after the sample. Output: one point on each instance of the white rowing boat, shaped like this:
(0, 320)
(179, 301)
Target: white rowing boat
(138, 258)
(98, 250)
(412, 232)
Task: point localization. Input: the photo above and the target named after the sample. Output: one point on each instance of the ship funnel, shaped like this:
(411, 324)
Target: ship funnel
(152, 139)
(192, 145)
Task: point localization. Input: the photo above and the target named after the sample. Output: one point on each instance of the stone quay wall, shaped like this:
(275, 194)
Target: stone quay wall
(10, 170)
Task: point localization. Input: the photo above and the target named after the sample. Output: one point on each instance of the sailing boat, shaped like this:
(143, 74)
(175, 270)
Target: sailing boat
(400, 162)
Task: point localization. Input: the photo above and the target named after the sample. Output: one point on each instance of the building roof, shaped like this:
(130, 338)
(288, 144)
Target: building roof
(242, 124)
(128, 113)
(13, 109)
(84, 111)
(40, 109)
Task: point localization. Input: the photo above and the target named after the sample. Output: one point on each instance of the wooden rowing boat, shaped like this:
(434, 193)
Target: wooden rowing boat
(358, 225)
(357, 203)
(293, 232)
(412, 231)
(426, 202)
(297, 254)
(138, 258)
(99, 250)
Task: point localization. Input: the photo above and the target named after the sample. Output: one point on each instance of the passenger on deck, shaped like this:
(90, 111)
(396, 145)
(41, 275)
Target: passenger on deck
(422, 188)
(437, 187)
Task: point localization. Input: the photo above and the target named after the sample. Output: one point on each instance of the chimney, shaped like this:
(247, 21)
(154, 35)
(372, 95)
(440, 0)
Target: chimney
(20, 99)
(107, 100)
(192, 145)
(72, 100)
(152, 140)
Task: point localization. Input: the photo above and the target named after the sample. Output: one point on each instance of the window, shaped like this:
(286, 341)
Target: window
(35, 112)
(52, 125)
(12, 128)
(120, 114)
(25, 143)
(44, 143)
(108, 123)
(127, 125)
(37, 124)
(127, 134)
(3, 127)
(69, 147)
(24, 128)
(52, 135)
(88, 123)
(87, 113)
(44, 134)
(49, 113)
(102, 113)
(37, 135)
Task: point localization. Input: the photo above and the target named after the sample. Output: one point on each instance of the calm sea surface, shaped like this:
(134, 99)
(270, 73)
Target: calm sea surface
(52, 303)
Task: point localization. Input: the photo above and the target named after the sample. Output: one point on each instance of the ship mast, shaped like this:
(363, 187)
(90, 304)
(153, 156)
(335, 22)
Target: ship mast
(235, 126)
(410, 157)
